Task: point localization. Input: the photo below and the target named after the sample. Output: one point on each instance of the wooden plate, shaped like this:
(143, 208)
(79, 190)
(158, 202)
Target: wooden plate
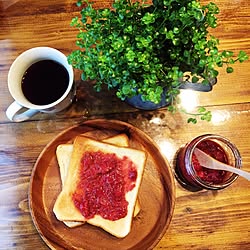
(156, 194)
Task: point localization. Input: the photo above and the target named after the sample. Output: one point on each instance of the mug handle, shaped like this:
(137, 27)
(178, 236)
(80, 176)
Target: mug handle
(14, 113)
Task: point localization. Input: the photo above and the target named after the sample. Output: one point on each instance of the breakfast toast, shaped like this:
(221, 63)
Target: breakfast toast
(65, 209)
(63, 154)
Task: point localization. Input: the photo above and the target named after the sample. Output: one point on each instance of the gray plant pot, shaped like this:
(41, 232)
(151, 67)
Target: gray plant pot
(137, 102)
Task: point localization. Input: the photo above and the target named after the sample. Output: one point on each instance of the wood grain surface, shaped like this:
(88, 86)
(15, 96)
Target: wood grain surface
(201, 220)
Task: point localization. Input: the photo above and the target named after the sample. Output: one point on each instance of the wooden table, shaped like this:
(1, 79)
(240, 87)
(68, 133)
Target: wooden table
(202, 220)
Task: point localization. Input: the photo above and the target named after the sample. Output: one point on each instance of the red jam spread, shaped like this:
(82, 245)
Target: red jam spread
(216, 151)
(104, 181)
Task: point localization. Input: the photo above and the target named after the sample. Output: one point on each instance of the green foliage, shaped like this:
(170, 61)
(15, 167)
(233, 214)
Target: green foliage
(202, 113)
(138, 48)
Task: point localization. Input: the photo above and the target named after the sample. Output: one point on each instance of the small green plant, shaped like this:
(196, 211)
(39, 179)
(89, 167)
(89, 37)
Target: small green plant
(138, 48)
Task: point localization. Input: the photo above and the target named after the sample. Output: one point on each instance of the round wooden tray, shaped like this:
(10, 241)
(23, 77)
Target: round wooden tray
(156, 194)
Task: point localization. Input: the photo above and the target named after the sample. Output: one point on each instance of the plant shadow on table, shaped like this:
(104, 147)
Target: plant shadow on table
(98, 103)
(91, 104)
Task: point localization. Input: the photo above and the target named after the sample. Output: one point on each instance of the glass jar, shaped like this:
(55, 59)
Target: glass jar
(195, 177)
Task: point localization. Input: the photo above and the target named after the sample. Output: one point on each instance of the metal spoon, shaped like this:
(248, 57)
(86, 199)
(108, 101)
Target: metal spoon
(209, 162)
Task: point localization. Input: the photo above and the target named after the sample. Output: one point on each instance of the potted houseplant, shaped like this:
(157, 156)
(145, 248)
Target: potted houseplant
(150, 50)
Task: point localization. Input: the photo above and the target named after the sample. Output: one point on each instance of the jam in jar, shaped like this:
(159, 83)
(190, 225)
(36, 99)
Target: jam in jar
(193, 176)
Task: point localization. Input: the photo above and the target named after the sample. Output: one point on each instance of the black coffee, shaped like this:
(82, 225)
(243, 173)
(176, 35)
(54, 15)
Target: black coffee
(45, 82)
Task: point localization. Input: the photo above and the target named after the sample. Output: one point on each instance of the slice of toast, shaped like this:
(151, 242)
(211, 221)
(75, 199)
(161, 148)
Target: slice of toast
(64, 207)
(63, 154)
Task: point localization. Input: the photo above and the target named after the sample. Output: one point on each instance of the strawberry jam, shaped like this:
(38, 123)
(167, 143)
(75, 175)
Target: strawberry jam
(194, 177)
(216, 151)
(104, 181)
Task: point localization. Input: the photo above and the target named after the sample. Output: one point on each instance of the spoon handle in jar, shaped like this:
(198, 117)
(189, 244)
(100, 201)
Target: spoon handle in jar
(209, 162)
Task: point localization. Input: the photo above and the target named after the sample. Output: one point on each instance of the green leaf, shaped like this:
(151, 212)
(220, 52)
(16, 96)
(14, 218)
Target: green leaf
(176, 30)
(242, 56)
(230, 70)
(213, 8)
(148, 18)
(205, 81)
(171, 108)
(128, 29)
(227, 54)
(201, 109)
(79, 3)
(195, 79)
(192, 120)
(83, 77)
(207, 116)
(126, 89)
(74, 21)
(130, 55)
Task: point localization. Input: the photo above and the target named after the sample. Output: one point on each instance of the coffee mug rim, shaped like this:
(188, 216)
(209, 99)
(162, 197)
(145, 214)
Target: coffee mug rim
(27, 103)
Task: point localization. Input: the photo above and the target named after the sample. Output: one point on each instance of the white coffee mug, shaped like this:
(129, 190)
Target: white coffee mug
(22, 109)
